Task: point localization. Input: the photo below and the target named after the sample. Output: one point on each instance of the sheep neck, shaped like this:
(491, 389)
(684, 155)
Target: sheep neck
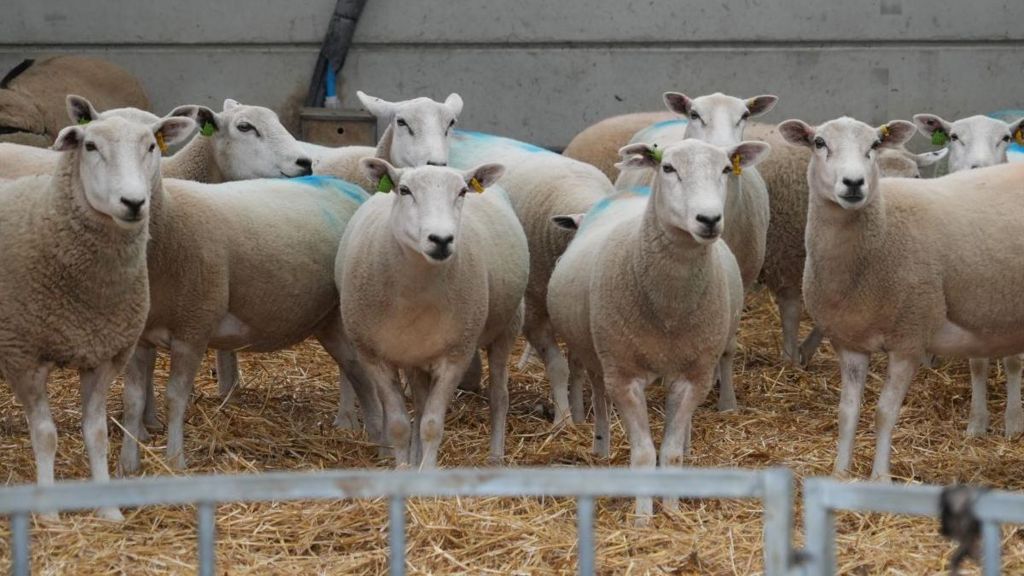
(197, 161)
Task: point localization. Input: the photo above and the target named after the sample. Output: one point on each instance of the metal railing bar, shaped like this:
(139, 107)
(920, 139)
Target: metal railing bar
(992, 540)
(20, 557)
(338, 484)
(585, 544)
(396, 536)
(207, 537)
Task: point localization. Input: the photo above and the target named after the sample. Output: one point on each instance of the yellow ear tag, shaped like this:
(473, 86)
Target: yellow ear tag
(884, 130)
(476, 185)
(160, 142)
(1018, 136)
(736, 169)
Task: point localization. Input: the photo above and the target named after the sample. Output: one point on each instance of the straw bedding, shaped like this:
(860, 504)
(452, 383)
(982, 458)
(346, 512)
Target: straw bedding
(281, 420)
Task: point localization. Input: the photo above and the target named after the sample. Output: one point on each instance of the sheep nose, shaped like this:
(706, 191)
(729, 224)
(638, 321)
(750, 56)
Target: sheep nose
(441, 241)
(306, 164)
(709, 221)
(432, 163)
(134, 206)
(853, 185)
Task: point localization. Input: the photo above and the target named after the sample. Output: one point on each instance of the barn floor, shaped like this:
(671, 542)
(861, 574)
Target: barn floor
(281, 420)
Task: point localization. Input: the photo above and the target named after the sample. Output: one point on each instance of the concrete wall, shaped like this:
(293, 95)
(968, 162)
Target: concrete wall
(541, 70)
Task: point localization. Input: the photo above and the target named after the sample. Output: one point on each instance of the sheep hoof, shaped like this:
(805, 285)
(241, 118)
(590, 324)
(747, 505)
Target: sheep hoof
(1014, 428)
(495, 461)
(153, 425)
(977, 429)
(110, 515)
(346, 422)
(144, 435)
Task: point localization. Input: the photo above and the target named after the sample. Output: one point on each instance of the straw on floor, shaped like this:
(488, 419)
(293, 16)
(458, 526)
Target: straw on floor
(281, 420)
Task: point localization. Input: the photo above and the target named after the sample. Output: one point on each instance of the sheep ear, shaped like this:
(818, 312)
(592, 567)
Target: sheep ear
(929, 158)
(483, 176)
(569, 221)
(69, 138)
(380, 173)
(1017, 131)
(229, 104)
(376, 106)
(929, 124)
(639, 156)
(454, 104)
(173, 130)
(748, 153)
(678, 102)
(895, 133)
(201, 114)
(761, 104)
(80, 110)
(797, 133)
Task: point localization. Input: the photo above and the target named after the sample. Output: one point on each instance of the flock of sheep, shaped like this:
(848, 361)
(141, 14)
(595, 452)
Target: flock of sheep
(634, 248)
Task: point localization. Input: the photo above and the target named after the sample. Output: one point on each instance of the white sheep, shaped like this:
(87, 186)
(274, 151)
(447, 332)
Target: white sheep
(418, 133)
(979, 142)
(73, 279)
(785, 175)
(428, 274)
(541, 185)
(240, 266)
(645, 291)
(905, 266)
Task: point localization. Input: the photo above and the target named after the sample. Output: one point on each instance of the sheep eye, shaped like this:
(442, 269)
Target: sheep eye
(954, 137)
(152, 147)
(694, 116)
(819, 142)
(876, 144)
(449, 128)
(90, 146)
(404, 191)
(727, 170)
(463, 192)
(1006, 138)
(401, 122)
(668, 169)
(745, 115)
(244, 127)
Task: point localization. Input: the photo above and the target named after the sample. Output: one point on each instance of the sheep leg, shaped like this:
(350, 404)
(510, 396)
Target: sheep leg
(901, 374)
(95, 384)
(789, 312)
(542, 338)
(396, 418)
(810, 345)
(136, 401)
(726, 392)
(471, 380)
(853, 367)
(685, 395)
(419, 383)
(30, 389)
(599, 399)
(1014, 416)
(631, 402)
(228, 376)
(353, 382)
(185, 361)
(977, 422)
(144, 361)
(446, 376)
(498, 355)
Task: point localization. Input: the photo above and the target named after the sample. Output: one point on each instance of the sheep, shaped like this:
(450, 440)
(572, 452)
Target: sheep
(240, 265)
(887, 268)
(73, 276)
(979, 142)
(644, 291)
(417, 134)
(598, 145)
(32, 94)
(785, 175)
(542, 185)
(428, 274)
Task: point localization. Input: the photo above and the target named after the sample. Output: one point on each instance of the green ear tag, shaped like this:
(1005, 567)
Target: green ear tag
(83, 121)
(385, 184)
(939, 138)
(208, 129)
(656, 154)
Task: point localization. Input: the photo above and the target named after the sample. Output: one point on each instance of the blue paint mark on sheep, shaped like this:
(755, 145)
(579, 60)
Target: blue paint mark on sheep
(603, 204)
(491, 139)
(349, 190)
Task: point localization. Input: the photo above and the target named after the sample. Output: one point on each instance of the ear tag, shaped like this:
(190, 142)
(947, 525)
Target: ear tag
(883, 130)
(657, 154)
(1018, 136)
(83, 121)
(208, 129)
(736, 169)
(476, 185)
(385, 184)
(160, 142)
(939, 138)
